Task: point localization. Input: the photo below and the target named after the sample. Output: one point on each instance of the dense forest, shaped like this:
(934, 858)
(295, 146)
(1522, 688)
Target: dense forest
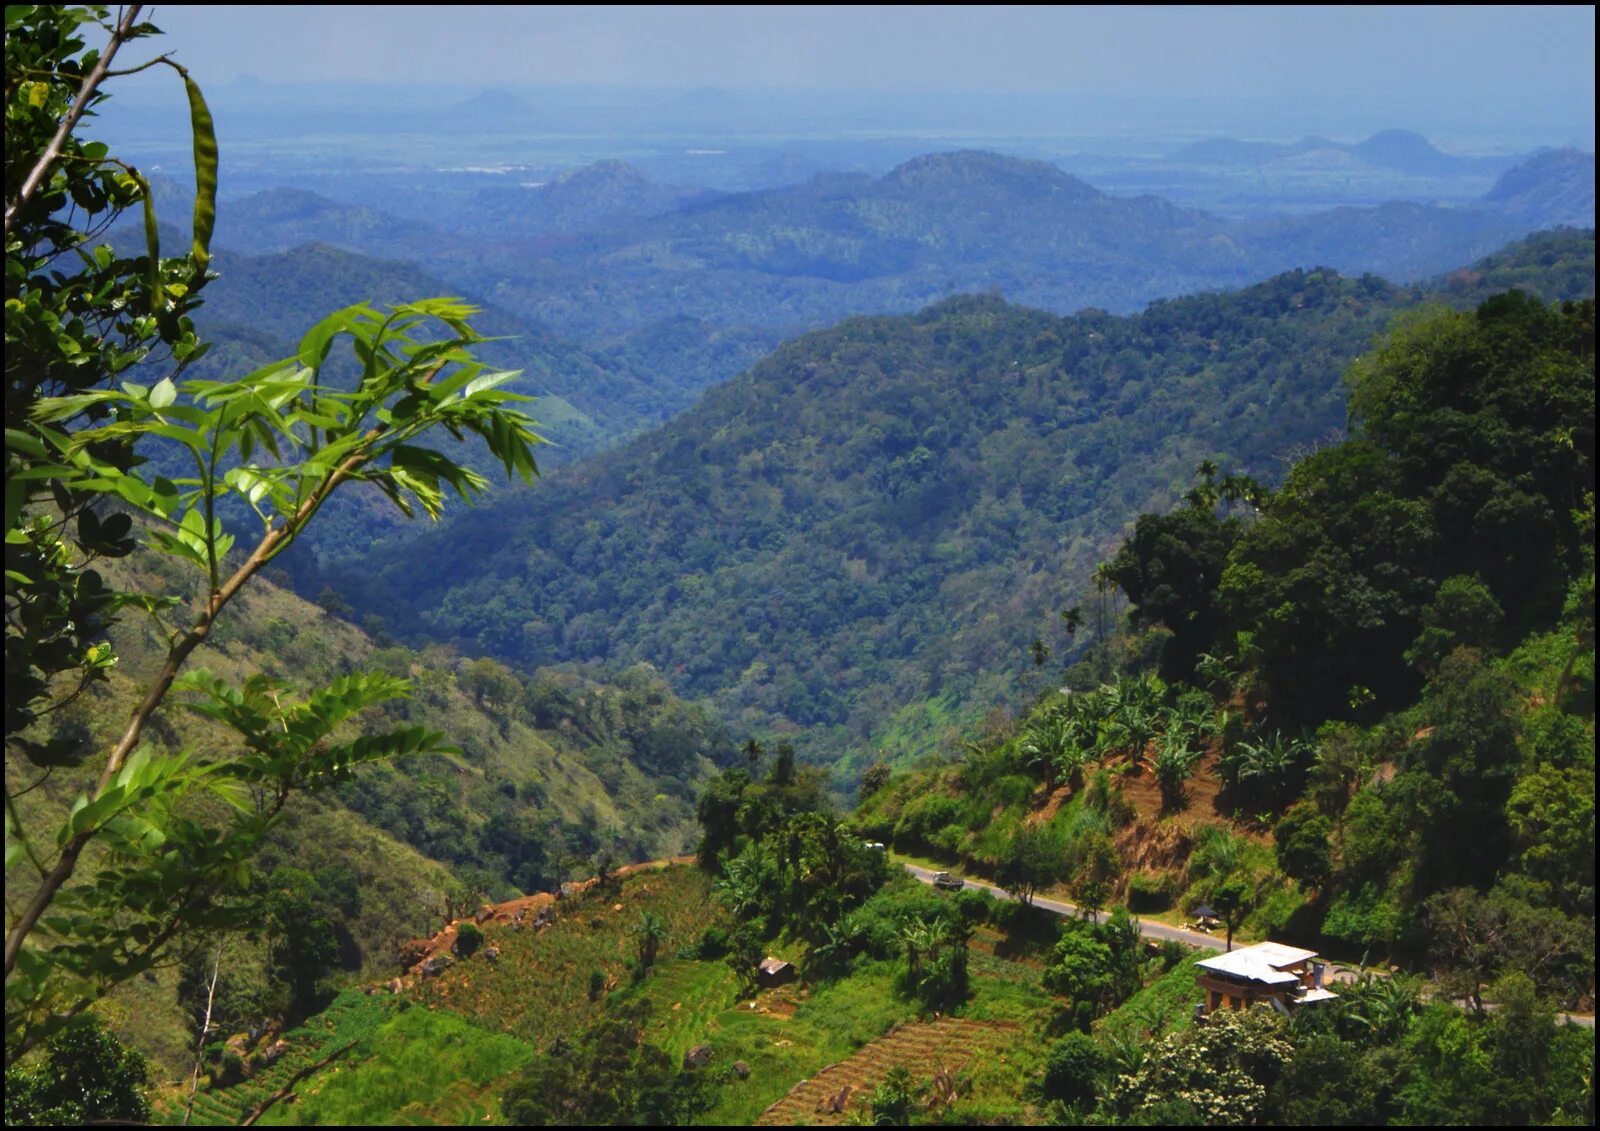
(1267, 612)
(1342, 718)
(861, 536)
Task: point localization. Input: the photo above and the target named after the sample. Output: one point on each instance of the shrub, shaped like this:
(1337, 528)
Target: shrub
(1149, 893)
(468, 939)
(923, 818)
(975, 905)
(1072, 1071)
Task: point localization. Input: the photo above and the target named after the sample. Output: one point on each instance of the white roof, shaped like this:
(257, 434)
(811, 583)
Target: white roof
(1263, 963)
(1316, 995)
(1277, 955)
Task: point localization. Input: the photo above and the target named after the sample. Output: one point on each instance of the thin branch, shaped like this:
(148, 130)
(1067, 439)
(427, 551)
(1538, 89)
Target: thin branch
(22, 836)
(205, 1031)
(288, 1089)
(36, 176)
(163, 58)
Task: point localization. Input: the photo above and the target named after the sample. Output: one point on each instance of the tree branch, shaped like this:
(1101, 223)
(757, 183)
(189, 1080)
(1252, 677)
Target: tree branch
(288, 1089)
(30, 184)
(205, 1031)
(271, 544)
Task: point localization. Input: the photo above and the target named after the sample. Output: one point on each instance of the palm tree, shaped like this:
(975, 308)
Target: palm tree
(916, 936)
(1266, 767)
(1135, 726)
(1071, 763)
(1174, 766)
(746, 883)
(1042, 744)
(838, 943)
(649, 934)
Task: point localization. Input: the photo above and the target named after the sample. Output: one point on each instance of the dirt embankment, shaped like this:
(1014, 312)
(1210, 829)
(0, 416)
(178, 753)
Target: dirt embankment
(530, 910)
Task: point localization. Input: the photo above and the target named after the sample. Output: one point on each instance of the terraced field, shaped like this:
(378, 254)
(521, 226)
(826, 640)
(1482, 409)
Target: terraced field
(539, 988)
(352, 1017)
(950, 1043)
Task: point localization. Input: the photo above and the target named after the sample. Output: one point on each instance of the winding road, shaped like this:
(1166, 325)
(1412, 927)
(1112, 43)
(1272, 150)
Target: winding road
(1149, 930)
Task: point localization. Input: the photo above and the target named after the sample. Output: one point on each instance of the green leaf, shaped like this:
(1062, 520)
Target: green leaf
(164, 393)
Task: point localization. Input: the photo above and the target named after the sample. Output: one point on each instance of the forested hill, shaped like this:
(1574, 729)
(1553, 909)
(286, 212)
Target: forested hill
(948, 222)
(861, 535)
(591, 397)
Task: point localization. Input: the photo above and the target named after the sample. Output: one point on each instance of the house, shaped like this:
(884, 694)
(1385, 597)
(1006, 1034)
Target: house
(1283, 977)
(774, 971)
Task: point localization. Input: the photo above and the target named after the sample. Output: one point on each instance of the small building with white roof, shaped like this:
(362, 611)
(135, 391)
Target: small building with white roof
(1280, 976)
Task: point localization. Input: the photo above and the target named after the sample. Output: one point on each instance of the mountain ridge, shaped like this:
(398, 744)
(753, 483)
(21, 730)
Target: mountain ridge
(817, 543)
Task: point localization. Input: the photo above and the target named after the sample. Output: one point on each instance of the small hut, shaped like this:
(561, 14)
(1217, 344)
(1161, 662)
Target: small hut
(774, 971)
(1205, 917)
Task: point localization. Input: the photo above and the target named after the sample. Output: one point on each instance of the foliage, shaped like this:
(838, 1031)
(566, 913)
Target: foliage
(469, 938)
(886, 477)
(1223, 1068)
(1034, 858)
(1304, 847)
(280, 438)
(1072, 1071)
(607, 1076)
(796, 864)
(83, 1074)
(1095, 965)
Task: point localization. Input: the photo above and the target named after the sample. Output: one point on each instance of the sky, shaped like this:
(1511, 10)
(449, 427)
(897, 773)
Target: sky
(1527, 62)
(1467, 52)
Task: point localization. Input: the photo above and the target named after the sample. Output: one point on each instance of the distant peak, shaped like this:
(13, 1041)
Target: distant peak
(965, 166)
(494, 102)
(611, 172)
(1397, 142)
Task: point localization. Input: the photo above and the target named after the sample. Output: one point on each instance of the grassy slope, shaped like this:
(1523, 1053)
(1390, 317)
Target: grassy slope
(269, 629)
(445, 1050)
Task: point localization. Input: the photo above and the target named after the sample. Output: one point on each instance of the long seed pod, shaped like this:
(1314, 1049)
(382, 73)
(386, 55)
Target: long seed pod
(152, 243)
(205, 173)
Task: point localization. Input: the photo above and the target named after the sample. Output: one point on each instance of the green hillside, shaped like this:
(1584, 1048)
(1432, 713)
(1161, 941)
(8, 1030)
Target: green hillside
(555, 769)
(861, 535)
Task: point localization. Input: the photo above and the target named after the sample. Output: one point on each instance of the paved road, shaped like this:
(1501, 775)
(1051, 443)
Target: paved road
(1157, 930)
(1060, 907)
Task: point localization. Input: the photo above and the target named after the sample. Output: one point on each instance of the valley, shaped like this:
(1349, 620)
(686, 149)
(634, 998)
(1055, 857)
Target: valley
(1042, 604)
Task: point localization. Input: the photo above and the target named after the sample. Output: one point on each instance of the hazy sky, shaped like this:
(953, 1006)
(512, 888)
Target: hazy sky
(1478, 54)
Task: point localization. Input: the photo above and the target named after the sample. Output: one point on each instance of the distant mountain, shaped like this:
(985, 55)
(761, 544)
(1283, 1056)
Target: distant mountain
(602, 254)
(606, 193)
(873, 522)
(841, 244)
(1410, 152)
(1553, 188)
(1400, 150)
(493, 106)
(786, 169)
(282, 218)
